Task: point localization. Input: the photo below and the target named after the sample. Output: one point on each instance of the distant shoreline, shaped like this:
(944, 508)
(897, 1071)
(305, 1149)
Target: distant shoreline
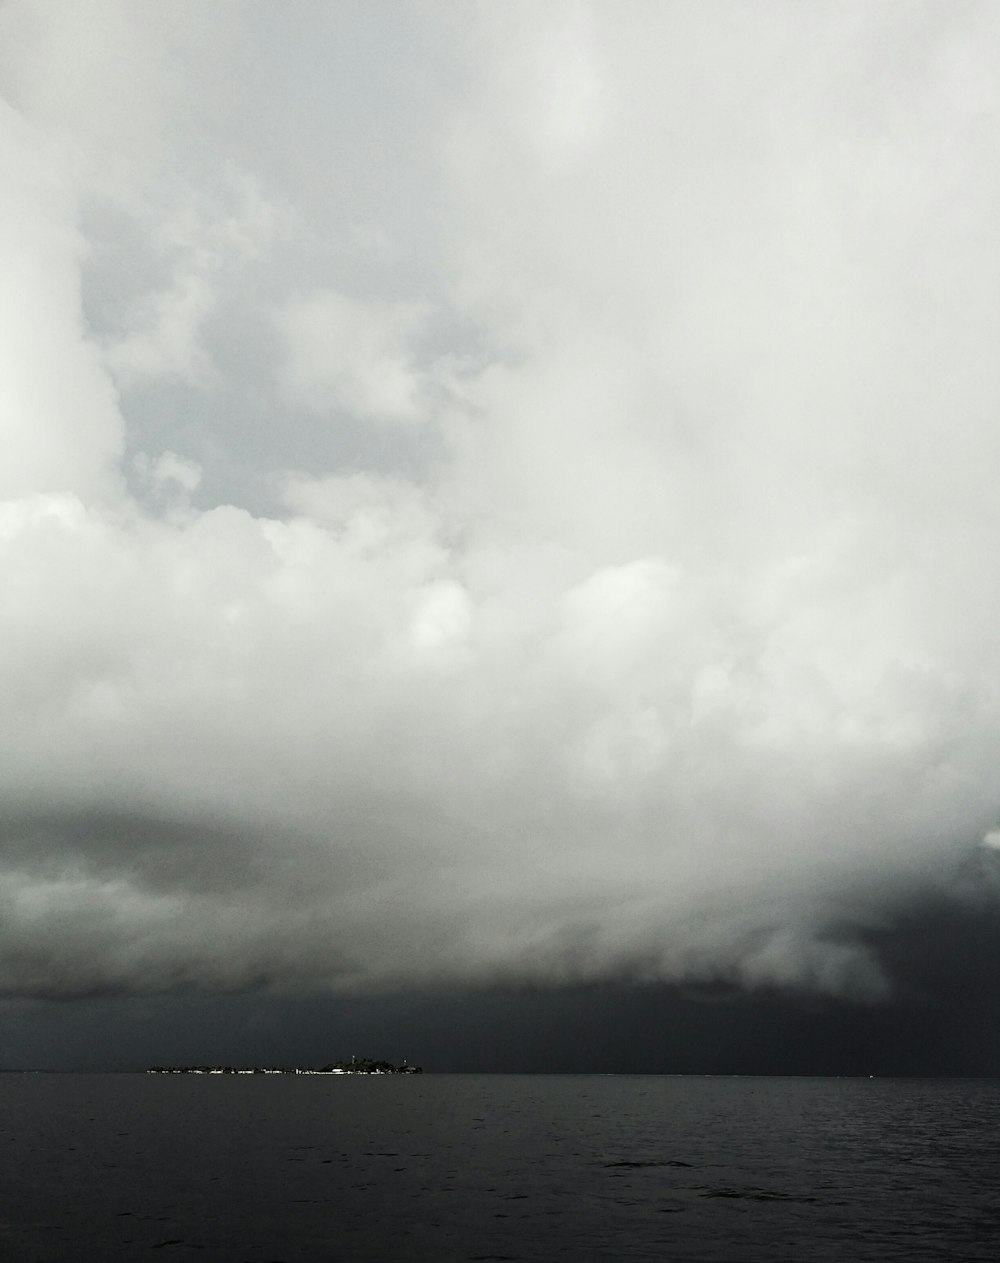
(354, 1066)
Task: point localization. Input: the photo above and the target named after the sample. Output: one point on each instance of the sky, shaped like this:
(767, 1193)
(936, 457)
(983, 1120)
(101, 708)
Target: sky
(498, 533)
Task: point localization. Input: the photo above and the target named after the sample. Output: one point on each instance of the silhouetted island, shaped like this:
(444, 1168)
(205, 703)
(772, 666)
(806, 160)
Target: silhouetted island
(357, 1065)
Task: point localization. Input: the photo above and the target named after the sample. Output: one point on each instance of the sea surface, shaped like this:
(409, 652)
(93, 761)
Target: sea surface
(497, 1167)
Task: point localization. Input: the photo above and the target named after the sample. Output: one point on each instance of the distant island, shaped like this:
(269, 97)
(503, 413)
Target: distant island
(357, 1065)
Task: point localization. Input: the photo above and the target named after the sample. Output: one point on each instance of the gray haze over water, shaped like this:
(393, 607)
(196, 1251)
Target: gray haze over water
(498, 497)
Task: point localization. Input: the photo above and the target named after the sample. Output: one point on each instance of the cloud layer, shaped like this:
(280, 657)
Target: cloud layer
(492, 496)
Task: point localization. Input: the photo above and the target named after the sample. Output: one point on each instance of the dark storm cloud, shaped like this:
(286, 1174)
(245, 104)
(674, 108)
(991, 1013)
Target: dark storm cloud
(498, 498)
(942, 1018)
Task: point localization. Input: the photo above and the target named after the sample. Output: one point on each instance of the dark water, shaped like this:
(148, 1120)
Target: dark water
(498, 1167)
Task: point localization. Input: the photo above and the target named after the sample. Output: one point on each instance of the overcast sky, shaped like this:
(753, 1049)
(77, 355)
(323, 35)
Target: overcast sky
(497, 496)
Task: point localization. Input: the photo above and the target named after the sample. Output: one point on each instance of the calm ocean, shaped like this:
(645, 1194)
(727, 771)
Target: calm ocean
(491, 1167)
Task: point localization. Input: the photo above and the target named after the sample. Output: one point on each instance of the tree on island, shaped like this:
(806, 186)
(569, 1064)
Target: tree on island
(366, 1065)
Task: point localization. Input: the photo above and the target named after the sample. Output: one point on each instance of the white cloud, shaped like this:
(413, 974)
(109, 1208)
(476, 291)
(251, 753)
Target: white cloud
(59, 420)
(442, 619)
(167, 343)
(354, 355)
(651, 627)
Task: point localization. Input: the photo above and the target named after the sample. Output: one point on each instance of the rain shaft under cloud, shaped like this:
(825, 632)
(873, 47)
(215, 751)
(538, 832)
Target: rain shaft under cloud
(493, 495)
